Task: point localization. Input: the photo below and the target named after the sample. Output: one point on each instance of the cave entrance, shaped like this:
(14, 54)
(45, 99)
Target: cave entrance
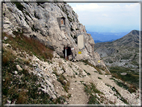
(67, 51)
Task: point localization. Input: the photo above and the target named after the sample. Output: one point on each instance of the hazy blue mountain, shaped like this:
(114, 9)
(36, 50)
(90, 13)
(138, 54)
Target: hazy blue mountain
(97, 41)
(106, 36)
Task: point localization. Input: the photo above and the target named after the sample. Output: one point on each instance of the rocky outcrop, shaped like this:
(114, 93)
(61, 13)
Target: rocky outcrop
(41, 21)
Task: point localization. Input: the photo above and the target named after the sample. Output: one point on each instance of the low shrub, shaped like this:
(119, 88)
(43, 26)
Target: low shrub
(7, 57)
(19, 5)
(89, 89)
(99, 78)
(117, 94)
(65, 83)
(87, 72)
(93, 100)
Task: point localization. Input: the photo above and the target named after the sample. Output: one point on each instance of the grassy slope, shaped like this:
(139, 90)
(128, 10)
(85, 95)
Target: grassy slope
(30, 45)
(22, 88)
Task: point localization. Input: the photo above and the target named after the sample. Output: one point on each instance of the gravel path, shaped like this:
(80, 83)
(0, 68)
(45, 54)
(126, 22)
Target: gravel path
(80, 97)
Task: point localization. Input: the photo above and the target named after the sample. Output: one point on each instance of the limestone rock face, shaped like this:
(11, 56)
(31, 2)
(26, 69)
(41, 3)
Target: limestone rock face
(42, 21)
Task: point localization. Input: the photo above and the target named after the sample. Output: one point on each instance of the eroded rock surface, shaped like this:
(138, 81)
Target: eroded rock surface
(41, 21)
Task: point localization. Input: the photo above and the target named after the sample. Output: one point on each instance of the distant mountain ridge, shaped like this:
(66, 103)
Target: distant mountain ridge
(121, 52)
(106, 36)
(98, 41)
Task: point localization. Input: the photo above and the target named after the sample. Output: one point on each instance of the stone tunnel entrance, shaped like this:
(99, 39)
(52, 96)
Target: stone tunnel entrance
(67, 51)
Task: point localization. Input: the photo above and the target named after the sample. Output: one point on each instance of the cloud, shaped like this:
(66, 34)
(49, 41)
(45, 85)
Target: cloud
(87, 7)
(105, 15)
(98, 7)
(108, 14)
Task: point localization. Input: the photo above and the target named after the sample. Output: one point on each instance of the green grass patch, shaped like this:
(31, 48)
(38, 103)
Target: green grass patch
(93, 100)
(135, 63)
(65, 83)
(7, 57)
(100, 78)
(19, 5)
(130, 88)
(75, 72)
(87, 72)
(90, 89)
(96, 71)
(117, 94)
(126, 56)
(131, 77)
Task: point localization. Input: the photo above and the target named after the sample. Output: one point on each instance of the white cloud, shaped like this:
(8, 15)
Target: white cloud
(87, 7)
(108, 14)
(105, 15)
(98, 7)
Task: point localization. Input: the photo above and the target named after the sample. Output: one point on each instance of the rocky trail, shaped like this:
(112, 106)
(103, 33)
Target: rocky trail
(103, 84)
(78, 96)
(80, 75)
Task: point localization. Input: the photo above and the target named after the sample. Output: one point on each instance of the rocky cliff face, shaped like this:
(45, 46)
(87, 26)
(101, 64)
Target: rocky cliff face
(34, 72)
(41, 21)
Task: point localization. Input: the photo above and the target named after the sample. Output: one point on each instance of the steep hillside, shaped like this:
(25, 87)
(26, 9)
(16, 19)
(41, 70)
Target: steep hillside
(49, 79)
(122, 52)
(34, 70)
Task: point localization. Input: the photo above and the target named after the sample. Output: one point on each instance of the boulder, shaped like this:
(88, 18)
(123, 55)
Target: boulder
(19, 68)
(5, 38)
(15, 72)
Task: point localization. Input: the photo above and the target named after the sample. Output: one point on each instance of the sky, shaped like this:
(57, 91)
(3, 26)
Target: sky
(108, 17)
